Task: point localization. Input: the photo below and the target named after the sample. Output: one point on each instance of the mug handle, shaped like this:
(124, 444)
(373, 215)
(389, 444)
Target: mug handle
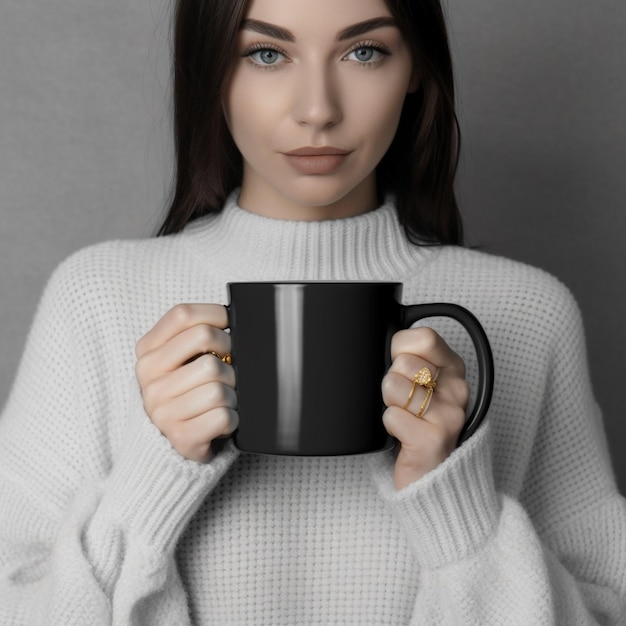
(413, 313)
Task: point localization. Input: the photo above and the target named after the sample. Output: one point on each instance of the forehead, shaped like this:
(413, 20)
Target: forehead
(324, 18)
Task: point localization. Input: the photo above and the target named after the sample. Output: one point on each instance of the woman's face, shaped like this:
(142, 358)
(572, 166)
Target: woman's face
(326, 80)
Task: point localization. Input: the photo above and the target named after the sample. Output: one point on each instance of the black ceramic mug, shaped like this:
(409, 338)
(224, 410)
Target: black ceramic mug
(309, 359)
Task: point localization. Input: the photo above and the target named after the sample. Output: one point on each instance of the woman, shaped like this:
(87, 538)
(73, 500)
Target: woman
(314, 141)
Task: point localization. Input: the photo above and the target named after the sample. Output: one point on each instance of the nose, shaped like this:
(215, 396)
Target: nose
(317, 99)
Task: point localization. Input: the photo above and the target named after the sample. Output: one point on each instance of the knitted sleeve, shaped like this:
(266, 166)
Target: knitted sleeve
(88, 530)
(549, 550)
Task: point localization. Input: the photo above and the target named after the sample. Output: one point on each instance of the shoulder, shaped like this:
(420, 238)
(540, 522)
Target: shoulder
(498, 274)
(107, 278)
(494, 269)
(111, 256)
(502, 289)
(116, 263)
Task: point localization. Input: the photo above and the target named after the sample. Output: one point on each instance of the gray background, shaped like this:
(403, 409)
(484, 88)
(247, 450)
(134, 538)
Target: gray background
(84, 149)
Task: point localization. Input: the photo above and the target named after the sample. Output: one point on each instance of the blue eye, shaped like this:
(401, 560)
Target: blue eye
(366, 54)
(266, 56)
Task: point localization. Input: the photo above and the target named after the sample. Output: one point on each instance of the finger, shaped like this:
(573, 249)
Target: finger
(447, 403)
(193, 438)
(178, 319)
(180, 349)
(196, 402)
(436, 431)
(401, 392)
(448, 382)
(423, 445)
(409, 364)
(205, 369)
(430, 346)
(407, 429)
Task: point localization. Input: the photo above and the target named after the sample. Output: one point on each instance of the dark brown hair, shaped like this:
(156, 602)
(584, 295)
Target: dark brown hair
(419, 167)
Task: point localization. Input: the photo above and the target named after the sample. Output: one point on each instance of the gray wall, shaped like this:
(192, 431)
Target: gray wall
(542, 89)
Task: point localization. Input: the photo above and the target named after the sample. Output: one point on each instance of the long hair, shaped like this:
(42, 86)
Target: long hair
(418, 168)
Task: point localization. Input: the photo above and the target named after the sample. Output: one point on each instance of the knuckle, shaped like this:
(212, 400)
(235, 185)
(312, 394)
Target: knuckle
(178, 437)
(139, 347)
(159, 415)
(181, 314)
(204, 337)
(463, 392)
(209, 367)
(141, 373)
(230, 377)
(149, 393)
(390, 387)
(428, 337)
(398, 337)
(404, 362)
(219, 314)
(385, 386)
(402, 340)
(233, 421)
(225, 420)
(387, 420)
(215, 394)
(390, 418)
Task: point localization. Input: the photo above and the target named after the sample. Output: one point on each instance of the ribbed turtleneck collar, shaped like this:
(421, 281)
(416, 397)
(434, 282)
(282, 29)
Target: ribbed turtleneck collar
(371, 246)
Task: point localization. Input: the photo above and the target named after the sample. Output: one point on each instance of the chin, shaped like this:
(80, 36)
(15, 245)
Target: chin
(323, 192)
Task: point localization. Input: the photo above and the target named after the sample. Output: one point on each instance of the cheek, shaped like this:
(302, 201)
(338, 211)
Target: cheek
(380, 118)
(239, 101)
(239, 116)
(250, 113)
(377, 106)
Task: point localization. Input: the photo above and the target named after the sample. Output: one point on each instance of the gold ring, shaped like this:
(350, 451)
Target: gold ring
(227, 358)
(423, 378)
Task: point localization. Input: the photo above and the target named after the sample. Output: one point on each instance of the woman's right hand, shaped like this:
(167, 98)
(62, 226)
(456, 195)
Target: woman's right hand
(188, 393)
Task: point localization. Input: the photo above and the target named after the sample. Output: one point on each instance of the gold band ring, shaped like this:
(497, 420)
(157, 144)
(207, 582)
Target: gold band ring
(227, 358)
(423, 378)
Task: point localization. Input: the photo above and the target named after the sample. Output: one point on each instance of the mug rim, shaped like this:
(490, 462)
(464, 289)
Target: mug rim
(315, 282)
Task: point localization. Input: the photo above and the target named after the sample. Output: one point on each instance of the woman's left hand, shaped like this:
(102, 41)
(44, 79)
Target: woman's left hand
(428, 440)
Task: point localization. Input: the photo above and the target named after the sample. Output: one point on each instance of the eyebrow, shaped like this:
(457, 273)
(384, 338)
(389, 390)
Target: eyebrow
(364, 27)
(277, 32)
(264, 28)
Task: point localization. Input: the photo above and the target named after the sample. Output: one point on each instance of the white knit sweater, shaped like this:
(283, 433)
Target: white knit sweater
(101, 521)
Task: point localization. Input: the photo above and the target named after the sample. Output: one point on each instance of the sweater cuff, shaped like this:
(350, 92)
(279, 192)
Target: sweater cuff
(150, 495)
(155, 490)
(453, 510)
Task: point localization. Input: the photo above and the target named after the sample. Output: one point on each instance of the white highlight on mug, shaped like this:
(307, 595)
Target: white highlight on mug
(289, 304)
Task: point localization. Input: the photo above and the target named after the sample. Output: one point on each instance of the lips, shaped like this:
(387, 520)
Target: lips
(321, 151)
(316, 161)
